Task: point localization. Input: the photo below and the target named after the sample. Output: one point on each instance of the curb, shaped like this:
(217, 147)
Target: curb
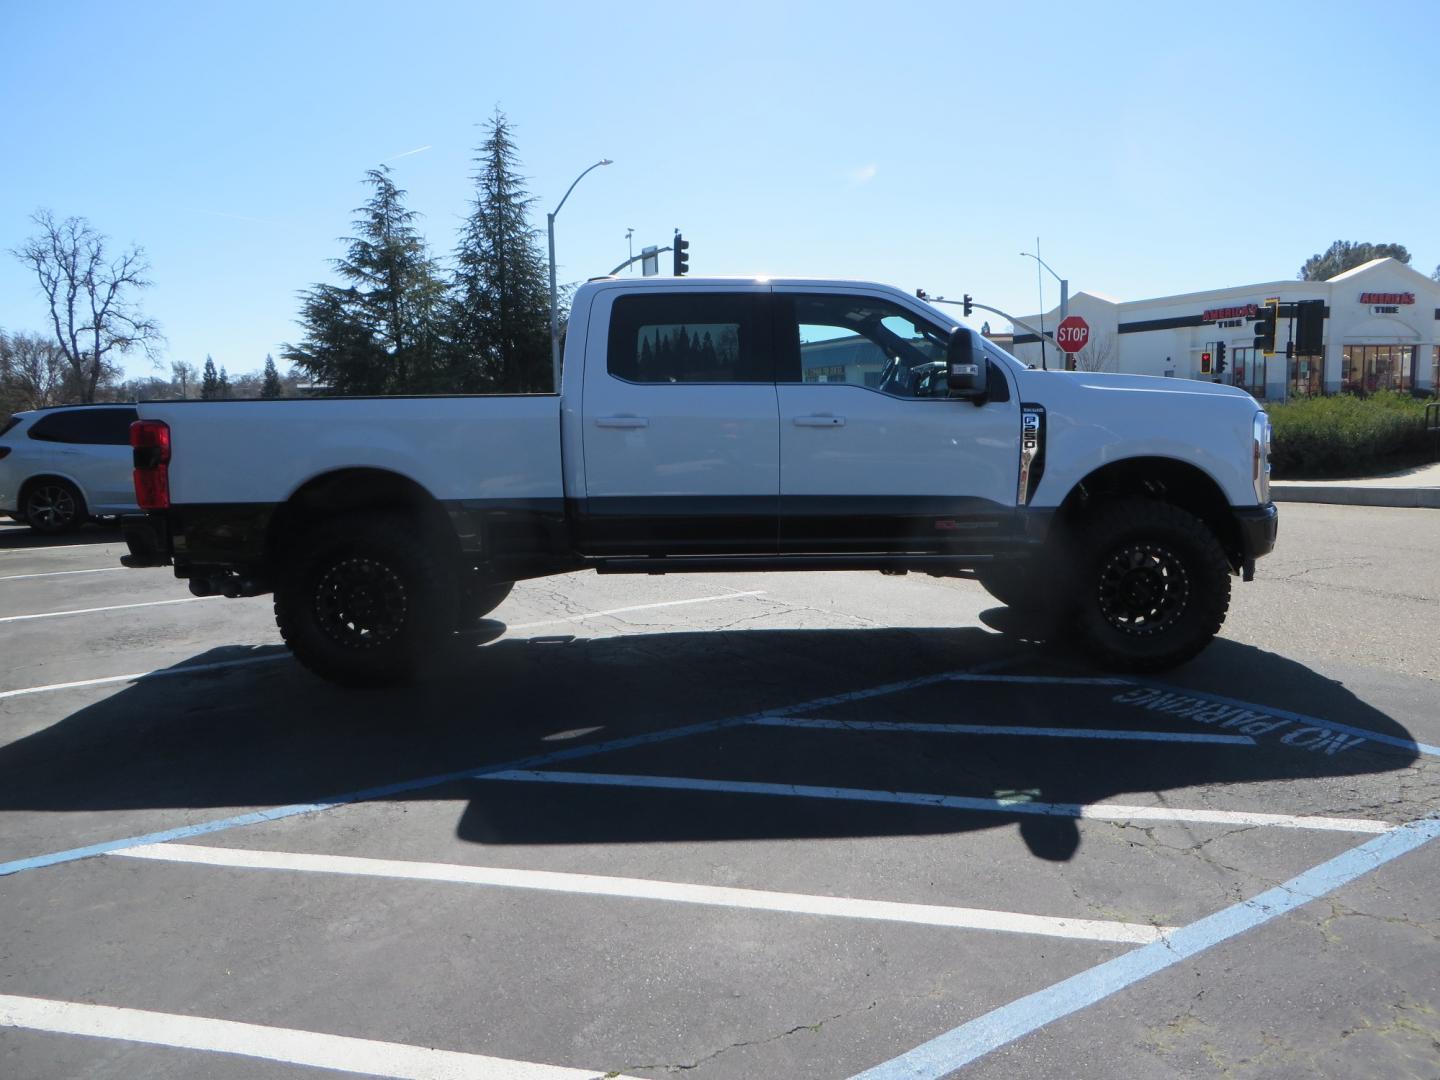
(1338, 494)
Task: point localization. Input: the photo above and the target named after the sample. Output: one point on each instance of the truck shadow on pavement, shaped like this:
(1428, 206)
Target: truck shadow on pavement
(271, 734)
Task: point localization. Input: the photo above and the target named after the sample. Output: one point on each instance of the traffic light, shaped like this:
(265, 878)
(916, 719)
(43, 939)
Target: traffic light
(1310, 327)
(1220, 358)
(967, 303)
(1205, 362)
(1264, 327)
(682, 255)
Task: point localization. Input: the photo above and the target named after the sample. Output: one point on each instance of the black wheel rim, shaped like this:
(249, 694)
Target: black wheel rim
(1144, 588)
(51, 506)
(361, 603)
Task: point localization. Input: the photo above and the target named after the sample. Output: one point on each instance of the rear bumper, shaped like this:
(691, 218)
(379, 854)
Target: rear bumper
(1259, 526)
(148, 538)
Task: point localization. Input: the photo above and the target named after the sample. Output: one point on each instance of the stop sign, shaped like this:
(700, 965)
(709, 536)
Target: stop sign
(1072, 333)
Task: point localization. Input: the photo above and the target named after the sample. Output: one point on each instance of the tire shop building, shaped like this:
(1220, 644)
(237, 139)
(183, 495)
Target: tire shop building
(1375, 327)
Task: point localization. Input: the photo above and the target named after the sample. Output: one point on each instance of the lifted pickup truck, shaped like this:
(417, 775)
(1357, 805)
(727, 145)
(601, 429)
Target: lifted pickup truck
(711, 425)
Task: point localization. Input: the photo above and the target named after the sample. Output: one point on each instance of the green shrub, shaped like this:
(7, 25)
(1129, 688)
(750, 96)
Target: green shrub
(1346, 435)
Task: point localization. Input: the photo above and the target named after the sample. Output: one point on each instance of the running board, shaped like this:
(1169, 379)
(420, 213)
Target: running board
(940, 565)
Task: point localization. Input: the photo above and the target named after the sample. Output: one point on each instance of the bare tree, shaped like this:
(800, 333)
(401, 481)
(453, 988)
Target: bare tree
(183, 375)
(91, 297)
(32, 372)
(1097, 355)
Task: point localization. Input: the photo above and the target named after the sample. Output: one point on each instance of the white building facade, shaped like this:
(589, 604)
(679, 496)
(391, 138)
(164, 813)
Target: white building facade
(1379, 332)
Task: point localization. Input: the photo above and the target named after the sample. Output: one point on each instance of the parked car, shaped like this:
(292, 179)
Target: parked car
(61, 467)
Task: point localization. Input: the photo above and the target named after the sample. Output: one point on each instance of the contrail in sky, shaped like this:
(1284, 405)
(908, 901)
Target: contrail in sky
(407, 153)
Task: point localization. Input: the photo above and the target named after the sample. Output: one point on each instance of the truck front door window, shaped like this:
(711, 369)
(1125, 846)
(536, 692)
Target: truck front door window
(864, 342)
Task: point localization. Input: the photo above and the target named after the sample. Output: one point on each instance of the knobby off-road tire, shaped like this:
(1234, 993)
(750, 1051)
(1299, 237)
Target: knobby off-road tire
(364, 602)
(1152, 585)
(52, 507)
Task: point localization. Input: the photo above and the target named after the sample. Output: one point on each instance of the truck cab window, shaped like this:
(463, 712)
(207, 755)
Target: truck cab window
(689, 338)
(860, 341)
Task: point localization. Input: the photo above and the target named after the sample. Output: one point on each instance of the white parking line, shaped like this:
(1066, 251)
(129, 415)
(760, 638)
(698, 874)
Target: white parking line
(62, 573)
(1009, 805)
(136, 676)
(113, 607)
(635, 607)
(647, 889)
(42, 549)
(998, 729)
(341, 1053)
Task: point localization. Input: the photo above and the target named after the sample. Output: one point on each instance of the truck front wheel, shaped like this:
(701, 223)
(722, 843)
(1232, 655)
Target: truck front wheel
(361, 604)
(1153, 585)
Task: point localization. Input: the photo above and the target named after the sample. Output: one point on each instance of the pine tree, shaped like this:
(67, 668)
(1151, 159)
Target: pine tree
(380, 333)
(209, 381)
(500, 303)
(223, 387)
(271, 387)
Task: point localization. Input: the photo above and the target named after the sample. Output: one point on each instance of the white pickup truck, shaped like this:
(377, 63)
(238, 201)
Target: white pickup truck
(714, 425)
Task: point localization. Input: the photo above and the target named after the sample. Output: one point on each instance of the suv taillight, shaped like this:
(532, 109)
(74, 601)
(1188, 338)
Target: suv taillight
(150, 441)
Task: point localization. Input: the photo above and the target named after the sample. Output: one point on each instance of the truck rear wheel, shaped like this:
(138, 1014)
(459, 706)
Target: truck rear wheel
(1153, 586)
(361, 604)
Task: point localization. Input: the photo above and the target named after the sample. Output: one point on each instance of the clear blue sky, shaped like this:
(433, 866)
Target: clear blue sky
(1154, 148)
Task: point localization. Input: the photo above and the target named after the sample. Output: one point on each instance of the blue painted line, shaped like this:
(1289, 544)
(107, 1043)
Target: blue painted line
(387, 790)
(1004, 729)
(1299, 718)
(384, 791)
(960, 1046)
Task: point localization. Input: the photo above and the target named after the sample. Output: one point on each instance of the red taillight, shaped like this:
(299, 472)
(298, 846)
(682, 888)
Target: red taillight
(150, 441)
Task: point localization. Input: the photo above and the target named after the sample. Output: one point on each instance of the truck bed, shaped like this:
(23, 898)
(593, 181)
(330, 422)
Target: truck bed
(456, 448)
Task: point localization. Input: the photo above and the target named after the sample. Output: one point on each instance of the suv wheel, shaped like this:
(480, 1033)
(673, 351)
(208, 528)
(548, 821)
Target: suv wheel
(52, 507)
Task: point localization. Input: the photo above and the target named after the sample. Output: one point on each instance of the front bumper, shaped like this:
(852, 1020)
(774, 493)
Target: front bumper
(1259, 526)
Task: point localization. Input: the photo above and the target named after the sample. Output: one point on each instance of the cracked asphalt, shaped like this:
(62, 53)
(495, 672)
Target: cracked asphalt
(1326, 678)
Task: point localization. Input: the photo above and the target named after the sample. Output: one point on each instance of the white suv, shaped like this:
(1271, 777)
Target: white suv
(60, 467)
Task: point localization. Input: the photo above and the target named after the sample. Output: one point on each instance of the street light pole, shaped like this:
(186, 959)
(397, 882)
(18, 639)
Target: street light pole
(1064, 293)
(554, 308)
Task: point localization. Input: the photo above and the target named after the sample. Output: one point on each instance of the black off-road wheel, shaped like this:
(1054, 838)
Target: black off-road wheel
(1152, 586)
(362, 603)
(52, 507)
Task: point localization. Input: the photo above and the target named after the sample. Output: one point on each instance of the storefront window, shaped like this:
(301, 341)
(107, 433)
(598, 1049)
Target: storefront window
(1307, 375)
(1368, 368)
(1248, 370)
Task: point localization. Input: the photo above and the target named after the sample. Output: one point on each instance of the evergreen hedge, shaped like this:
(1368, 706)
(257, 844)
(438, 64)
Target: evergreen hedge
(1347, 435)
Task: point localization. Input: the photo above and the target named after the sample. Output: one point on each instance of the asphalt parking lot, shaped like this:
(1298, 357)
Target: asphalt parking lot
(833, 826)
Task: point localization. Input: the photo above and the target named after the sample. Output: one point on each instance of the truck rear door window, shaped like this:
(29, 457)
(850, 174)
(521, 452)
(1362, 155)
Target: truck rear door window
(690, 338)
